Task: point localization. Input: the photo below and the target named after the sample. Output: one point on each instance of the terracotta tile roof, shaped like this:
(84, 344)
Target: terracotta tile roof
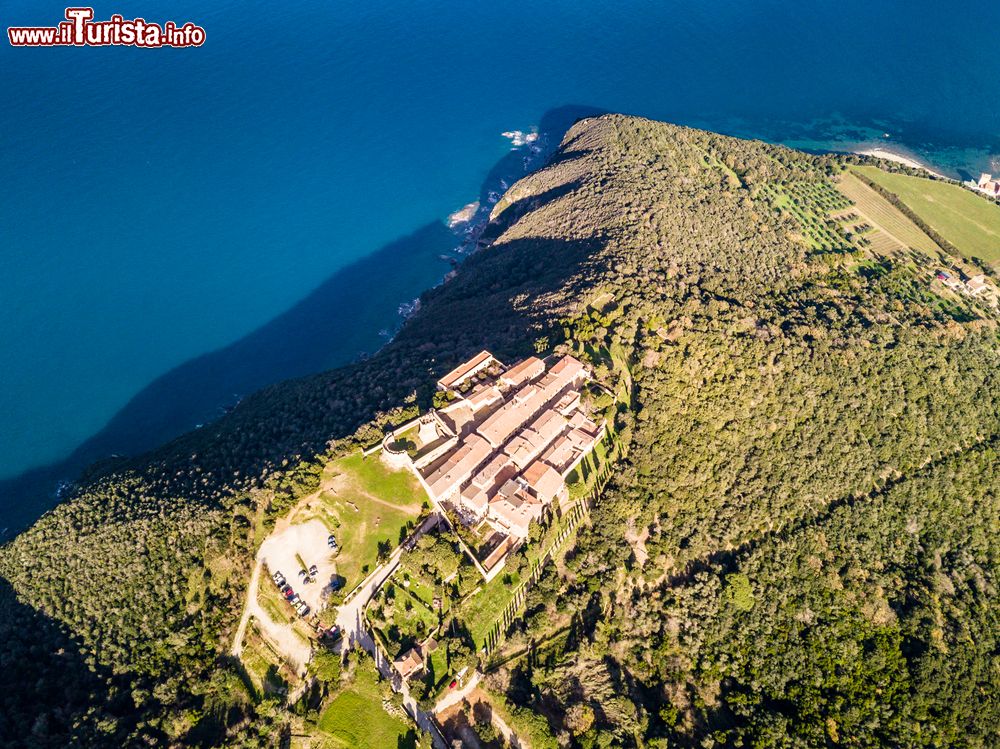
(581, 440)
(502, 423)
(564, 372)
(568, 368)
(459, 373)
(535, 437)
(523, 372)
(547, 426)
(543, 480)
(526, 394)
(581, 422)
(475, 499)
(516, 512)
(562, 452)
(485, 396)
(458, 466)
(976, 283)
(409, 662)
(498, 470)
(568, 402)
(521, 450)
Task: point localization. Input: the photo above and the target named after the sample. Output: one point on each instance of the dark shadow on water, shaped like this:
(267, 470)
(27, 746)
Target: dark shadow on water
(335, 324)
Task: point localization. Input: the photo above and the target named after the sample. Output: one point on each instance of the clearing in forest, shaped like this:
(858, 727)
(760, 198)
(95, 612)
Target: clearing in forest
(368, 507)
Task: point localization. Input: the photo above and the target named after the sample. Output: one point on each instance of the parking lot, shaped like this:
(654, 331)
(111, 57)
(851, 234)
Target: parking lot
(299, 547)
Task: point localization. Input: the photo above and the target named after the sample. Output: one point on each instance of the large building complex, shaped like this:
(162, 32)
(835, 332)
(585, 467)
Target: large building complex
(501, 450)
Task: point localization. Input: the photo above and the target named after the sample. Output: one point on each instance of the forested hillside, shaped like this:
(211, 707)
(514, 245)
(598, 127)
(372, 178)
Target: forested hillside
(800, 548)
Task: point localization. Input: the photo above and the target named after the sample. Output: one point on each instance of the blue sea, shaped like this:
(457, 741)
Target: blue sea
(179, 227)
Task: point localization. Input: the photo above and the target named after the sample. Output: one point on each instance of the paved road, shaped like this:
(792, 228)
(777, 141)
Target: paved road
(351, 620)
(454, 696)
(350, 615)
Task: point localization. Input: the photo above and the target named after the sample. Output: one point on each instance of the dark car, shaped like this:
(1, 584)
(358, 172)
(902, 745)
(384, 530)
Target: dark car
(313, 571)
(289, 594)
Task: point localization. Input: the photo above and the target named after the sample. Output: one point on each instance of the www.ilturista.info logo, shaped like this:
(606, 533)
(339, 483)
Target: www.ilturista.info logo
(80, 30)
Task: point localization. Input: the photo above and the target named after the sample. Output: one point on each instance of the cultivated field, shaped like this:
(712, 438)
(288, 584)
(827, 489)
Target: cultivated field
(969, 222)
(885, 216)
(811, 204)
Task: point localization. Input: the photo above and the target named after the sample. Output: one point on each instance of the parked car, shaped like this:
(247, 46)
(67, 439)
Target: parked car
(313, 571)
(289, 594)
(454, 683)
(302, 573)
(331, 541)
(278, 578)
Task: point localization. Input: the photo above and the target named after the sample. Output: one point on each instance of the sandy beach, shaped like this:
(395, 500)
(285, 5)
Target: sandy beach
(885, 153)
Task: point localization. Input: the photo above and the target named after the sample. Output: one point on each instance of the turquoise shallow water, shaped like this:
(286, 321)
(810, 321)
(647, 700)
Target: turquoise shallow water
(181, 227)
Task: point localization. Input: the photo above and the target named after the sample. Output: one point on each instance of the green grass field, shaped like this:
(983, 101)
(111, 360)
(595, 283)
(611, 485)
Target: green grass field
(366, 504)
(885, 215)
(356, 720)
(480, 611)
(272, 602)
(969, 222)
(264, 667)
(412, 618)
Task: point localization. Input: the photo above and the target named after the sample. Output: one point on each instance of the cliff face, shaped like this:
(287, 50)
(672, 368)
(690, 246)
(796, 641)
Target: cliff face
(788, 553)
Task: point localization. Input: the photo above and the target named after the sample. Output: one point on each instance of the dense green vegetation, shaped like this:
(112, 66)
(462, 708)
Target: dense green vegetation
(781, 396)
(797, 546)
